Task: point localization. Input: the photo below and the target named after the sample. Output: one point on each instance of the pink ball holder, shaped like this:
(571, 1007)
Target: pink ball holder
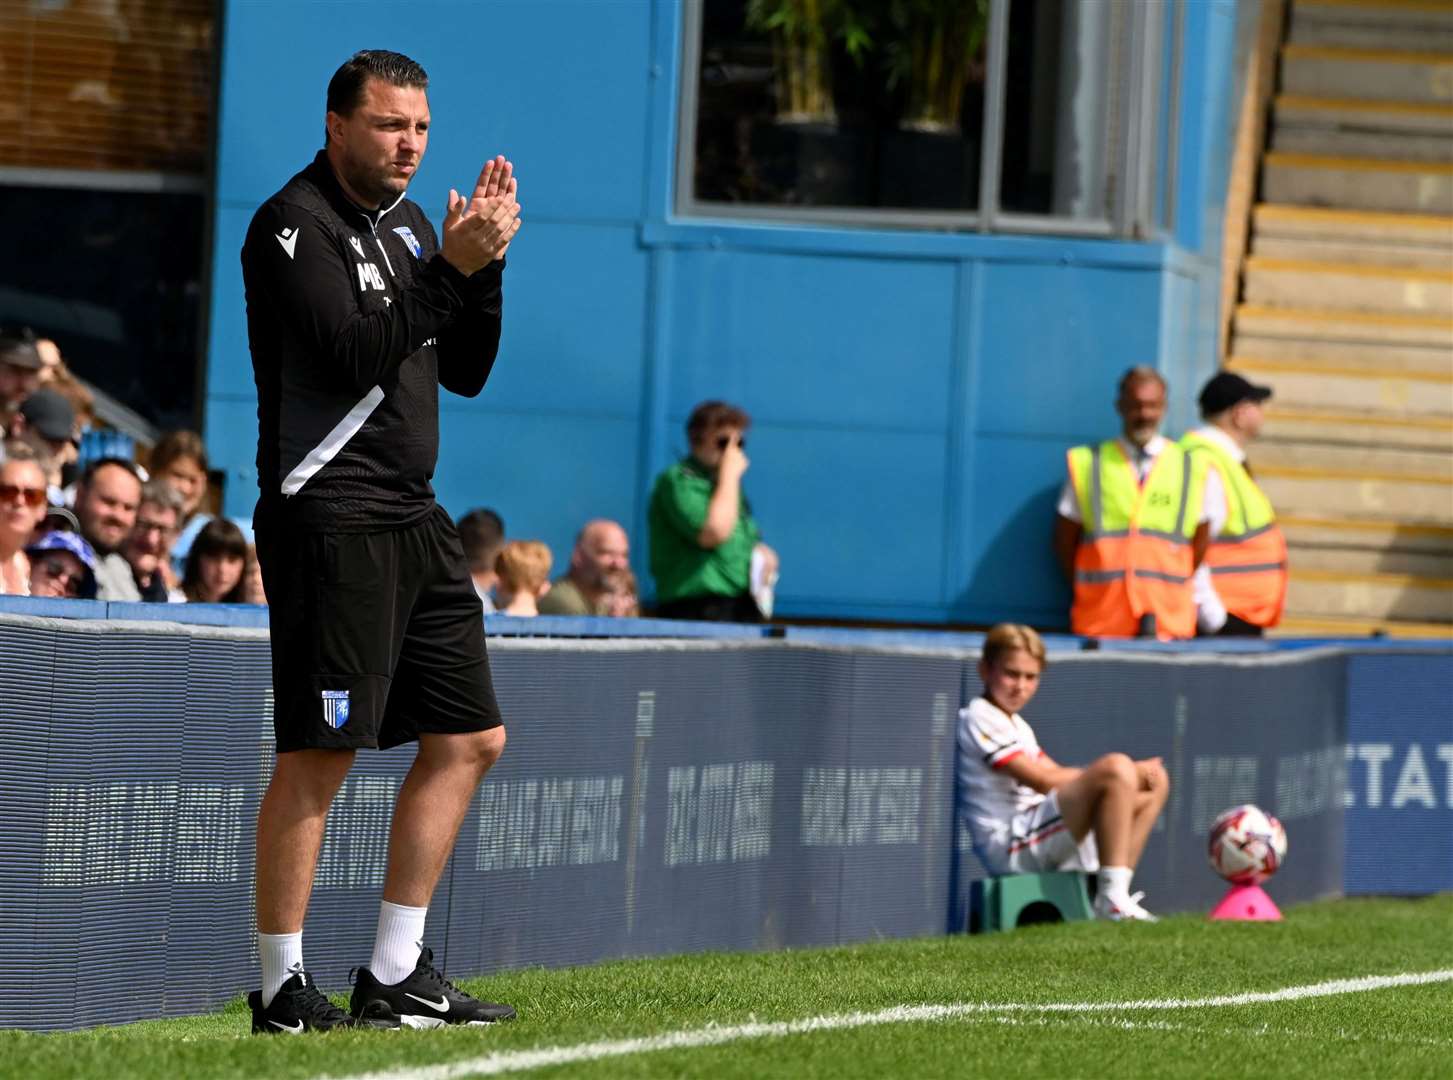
(1248, 903)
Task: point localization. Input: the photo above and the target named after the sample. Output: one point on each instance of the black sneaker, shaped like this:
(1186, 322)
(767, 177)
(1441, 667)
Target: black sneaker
(424, 998)
(300, 1006)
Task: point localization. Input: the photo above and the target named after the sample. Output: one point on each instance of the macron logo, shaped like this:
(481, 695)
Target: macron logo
(288, 238)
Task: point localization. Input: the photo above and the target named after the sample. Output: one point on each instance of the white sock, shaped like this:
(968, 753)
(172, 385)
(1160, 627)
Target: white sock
(1115, 881)
(282, 958)
(400, 937)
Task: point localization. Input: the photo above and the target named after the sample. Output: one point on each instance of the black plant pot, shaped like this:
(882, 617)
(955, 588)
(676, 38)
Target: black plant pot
(928, 170)
(811, 164)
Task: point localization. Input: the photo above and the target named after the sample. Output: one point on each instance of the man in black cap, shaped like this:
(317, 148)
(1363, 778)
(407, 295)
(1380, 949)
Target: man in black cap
(1241, 586)
(20, 366)
(47, 417)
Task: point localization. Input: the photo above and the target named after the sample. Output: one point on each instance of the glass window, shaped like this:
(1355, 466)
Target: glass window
(840, 103)
(892, 111)
(1060, 95)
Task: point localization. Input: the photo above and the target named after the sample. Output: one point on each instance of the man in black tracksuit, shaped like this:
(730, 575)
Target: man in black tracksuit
(356, 317)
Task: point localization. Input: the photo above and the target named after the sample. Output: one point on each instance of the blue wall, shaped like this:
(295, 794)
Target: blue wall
(913, 392)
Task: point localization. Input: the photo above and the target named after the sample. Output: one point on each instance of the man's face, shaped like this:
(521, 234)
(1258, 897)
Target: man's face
(150, 540)
(17, 384)
(106, 507)
(1141, 408)
(603, 551)
(1247, 417)
(378, 148)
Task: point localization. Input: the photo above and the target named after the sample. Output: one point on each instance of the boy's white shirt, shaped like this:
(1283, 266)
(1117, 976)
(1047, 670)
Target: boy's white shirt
(989, 737)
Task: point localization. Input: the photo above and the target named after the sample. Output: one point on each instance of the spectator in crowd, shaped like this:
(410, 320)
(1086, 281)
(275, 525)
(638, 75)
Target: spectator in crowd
(621, 600)
(51, 363)
(702, 532)
(179, 459)
(49, 420)
(1241, 587)
(83, 402)
(22, 505)
(20, 368)
(1027, 813)
(58, 519)
(107, 496)
(1131, 528)
(216, 565)
(62, 565)
(253, 591)
(523, 571)
(482, 535)
(148, 546)
(601, 550)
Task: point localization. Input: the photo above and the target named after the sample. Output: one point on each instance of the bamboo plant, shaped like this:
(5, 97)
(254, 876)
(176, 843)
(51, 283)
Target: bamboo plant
(932, 52)
(802, 33)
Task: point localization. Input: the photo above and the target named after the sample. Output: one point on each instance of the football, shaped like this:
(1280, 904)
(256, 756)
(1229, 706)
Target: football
(1247, 845)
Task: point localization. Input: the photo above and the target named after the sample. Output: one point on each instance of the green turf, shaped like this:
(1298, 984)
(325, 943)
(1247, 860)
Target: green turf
(1405, 1032)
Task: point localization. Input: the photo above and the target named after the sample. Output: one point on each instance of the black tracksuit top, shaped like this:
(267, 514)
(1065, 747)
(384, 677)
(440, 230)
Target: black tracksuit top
(355, 321)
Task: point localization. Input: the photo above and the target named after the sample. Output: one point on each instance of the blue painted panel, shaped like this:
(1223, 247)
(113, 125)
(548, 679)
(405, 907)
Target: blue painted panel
(810, 339)
(574, 323)
(560, 88)
(231, 432)
(546, 474)
(854, 518)
(229, 364)
(1055, 342)
(1013, 487)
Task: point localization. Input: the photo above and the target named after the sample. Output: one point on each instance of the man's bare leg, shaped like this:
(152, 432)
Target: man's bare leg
(431, 806)
(290, 833)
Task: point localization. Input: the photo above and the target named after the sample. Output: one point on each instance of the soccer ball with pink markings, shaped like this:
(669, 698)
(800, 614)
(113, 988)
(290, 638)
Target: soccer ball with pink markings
(1247, 845)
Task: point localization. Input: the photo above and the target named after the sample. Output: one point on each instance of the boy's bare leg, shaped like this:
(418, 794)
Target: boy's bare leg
(1149, 801)
(1103, 799)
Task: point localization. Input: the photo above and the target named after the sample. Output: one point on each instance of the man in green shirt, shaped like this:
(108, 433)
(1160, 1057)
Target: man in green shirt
(702, 532)
(601, 551)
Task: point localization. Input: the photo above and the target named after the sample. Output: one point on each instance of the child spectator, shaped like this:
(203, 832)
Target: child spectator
(620, 599)
(179, 460)
(1028, 813)
(523, 569)
(214, 571)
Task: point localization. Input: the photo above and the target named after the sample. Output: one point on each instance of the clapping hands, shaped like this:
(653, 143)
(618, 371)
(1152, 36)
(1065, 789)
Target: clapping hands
(478, 230)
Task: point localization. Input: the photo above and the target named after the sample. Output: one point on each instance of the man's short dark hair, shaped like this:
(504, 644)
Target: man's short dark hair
(100, 463)
(481, 534)
(345, 89)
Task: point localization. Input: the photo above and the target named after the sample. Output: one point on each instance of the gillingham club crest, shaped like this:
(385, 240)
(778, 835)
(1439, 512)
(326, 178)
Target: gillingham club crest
(406, 234)
(335, 708)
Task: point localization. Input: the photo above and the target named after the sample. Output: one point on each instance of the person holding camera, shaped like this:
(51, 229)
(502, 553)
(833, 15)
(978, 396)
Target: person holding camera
(703, 537)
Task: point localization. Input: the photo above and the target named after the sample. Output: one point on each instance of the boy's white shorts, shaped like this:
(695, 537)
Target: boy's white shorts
(1038, 841)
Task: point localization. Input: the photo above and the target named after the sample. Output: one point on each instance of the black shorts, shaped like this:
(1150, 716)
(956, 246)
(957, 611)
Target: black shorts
(376, 637)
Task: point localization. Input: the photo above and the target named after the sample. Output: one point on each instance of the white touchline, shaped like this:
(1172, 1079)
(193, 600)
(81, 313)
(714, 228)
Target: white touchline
(507, 1061)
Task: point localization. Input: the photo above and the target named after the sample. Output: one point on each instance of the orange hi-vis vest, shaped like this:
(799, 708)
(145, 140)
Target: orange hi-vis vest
(1135, 557)
(1248, 561)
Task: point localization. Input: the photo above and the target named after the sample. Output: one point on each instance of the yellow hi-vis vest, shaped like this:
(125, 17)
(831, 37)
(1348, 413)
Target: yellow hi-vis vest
(1248, 561)
(1134, 557)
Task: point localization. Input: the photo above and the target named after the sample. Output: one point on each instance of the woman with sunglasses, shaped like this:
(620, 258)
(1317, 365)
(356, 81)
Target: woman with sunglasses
(22, 505)
(704, 539)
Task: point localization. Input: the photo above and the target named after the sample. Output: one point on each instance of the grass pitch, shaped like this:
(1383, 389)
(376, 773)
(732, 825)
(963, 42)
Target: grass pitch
(1401, 1031)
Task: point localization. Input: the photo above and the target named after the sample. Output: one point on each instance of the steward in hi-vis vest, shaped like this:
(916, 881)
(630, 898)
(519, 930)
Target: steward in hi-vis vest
(1136, 555)
(1241, 587)
(1247, 560)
